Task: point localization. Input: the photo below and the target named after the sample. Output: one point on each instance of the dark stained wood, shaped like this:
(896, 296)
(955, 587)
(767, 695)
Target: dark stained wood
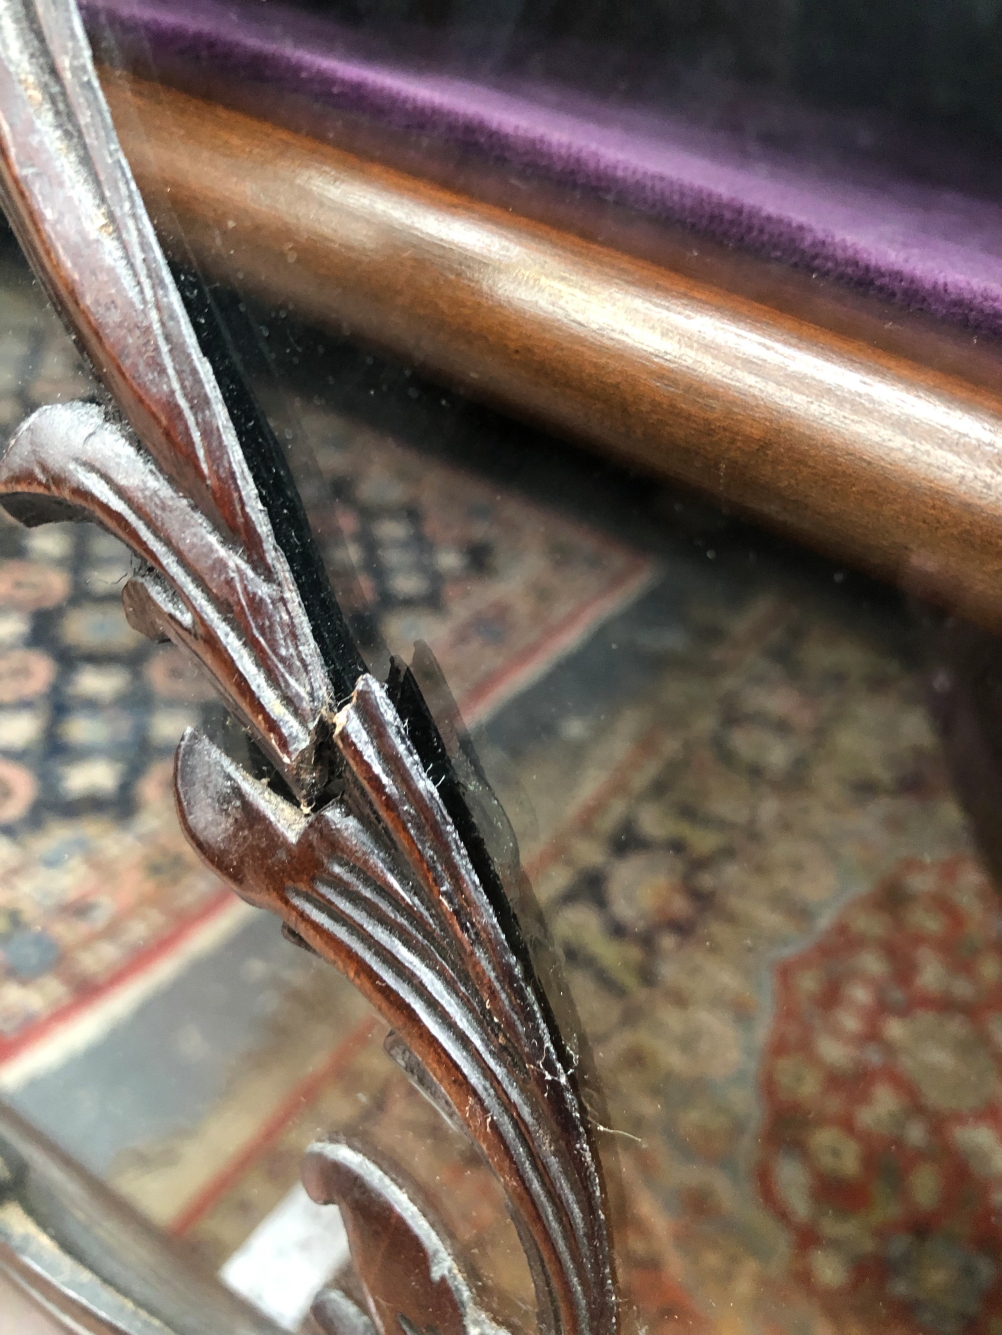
(231, 597)
(379, 883)
(856, 451)
(405, 1266)
(197, 587)
(387, 876)
(467, 170)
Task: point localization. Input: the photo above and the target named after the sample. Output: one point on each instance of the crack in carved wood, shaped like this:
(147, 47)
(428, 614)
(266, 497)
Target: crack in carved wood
(379, 883)
(371, 871)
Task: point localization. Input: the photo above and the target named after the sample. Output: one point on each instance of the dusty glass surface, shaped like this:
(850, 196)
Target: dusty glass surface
(755, 792)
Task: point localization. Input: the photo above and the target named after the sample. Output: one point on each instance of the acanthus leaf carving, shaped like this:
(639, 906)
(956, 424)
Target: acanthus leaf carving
(199, 588)
(376, 868)
(71, 198)
(407, 1270)
(379, 883)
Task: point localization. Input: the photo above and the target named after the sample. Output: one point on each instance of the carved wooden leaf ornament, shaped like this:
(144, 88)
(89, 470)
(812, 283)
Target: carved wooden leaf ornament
(405, 1267)
(377, 866)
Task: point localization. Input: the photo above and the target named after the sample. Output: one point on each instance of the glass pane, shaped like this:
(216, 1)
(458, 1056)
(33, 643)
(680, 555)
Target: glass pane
(753, 786)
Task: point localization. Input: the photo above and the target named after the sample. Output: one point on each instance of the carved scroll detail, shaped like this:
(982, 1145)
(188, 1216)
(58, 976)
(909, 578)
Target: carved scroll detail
(386, 878)
(72, 200)
(425, 1288)
(198, 586)
(379, 883)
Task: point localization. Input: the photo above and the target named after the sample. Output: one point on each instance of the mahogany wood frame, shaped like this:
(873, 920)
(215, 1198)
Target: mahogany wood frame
(854, 449)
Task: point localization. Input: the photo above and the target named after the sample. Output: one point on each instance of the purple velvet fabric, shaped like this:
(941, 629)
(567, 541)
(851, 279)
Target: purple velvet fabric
(934, 248)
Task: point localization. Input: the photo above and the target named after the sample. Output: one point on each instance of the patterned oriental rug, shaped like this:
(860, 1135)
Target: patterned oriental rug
(783, 952)
(787, 964)
(101, 900)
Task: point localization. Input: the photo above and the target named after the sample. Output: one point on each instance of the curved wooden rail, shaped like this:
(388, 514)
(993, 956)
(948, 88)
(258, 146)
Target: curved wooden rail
(860, 453)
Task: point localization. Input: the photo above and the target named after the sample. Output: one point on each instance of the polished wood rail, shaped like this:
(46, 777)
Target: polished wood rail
(858, 452)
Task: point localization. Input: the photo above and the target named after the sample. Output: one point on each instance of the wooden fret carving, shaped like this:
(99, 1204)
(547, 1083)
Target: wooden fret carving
(70, 197)
(422, 1287)
(238, 615)
(379, 882)
(378, 868)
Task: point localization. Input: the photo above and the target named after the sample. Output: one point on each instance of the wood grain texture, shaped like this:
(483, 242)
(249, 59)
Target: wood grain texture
(858, 452)
(464, 169)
